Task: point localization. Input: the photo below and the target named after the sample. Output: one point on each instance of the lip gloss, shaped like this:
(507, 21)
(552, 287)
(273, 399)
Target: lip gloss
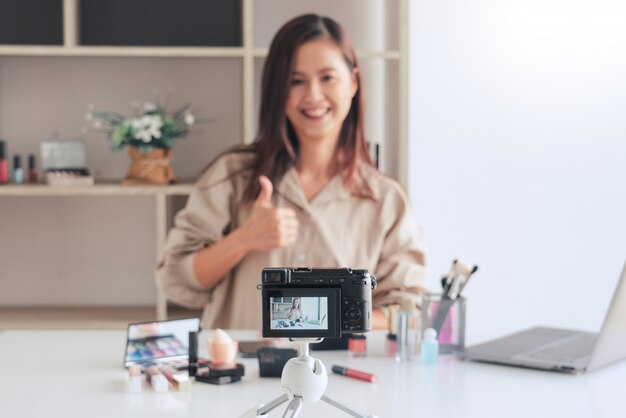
(157, 379)
(355, 374)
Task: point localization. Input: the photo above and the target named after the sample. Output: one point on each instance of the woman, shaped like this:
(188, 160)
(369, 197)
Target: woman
(304, 194)
(295, 313)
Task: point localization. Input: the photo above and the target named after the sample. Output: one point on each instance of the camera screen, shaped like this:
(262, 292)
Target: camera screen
(299, 313)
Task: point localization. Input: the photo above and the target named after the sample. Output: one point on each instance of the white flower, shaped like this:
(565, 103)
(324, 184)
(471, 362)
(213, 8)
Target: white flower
(189, 119)
(88, 116)
(97, 124)
(147, 127)
(150, 107)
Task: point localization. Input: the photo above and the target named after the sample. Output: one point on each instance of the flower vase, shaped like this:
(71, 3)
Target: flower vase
(154, 167)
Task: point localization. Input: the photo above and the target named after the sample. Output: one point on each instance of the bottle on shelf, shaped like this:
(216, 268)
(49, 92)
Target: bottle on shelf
(18, 171)
(3, 164)
(32, 169)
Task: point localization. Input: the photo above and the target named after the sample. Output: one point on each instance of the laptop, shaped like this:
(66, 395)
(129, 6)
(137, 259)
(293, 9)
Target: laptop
(560, 349)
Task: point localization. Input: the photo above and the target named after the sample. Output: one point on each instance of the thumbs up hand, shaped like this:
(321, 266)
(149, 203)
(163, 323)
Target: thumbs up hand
(269, 227)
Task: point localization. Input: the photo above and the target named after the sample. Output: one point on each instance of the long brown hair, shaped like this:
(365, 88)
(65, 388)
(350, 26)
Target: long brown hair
(276, 144)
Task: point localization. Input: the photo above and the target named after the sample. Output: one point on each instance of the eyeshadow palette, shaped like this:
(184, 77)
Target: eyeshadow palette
(159, 342)
(155, 347)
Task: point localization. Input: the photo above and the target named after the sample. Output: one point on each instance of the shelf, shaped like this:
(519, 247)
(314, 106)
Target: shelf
(100, 189)
(83, 317)
(158, 193)
(155, 51)
(121, 51)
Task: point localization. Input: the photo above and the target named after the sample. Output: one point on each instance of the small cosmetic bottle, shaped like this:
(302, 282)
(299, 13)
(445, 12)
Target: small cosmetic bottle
(32, 169)
(193, 353)
(391, 345)
(430, 347)
(408, 332)
(357, 345)
(3, 164)
(18, 171)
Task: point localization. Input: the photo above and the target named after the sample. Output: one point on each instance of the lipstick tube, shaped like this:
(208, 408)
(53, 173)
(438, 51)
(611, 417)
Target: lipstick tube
(355, 374)
(157, 380)
(180, 381)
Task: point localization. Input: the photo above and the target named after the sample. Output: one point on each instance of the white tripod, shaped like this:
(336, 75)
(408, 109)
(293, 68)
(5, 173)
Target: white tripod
(304, 379)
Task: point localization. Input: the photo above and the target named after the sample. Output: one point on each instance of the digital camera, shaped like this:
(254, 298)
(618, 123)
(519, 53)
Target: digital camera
(306, 302)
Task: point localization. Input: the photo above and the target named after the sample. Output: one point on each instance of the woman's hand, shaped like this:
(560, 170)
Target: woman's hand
(269, 227)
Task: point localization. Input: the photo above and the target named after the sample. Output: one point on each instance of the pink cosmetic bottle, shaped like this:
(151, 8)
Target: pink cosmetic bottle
(3, 164)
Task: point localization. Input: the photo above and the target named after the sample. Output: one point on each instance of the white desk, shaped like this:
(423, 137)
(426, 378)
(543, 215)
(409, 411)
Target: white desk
(69, 374)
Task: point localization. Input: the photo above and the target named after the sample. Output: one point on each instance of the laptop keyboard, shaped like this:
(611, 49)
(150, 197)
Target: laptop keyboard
(567, 351)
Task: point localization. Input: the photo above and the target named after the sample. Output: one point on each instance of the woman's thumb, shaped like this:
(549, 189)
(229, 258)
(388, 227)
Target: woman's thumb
(265, 196)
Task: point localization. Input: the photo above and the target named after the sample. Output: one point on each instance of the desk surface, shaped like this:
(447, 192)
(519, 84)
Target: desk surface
(79, 373)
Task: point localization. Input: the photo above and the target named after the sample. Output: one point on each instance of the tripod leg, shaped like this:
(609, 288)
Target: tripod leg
(263, 410)
(345, 408)
(293, 407)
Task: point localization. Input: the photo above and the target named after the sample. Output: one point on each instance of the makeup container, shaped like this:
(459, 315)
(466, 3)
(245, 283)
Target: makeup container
(429, 351)
(64, 163)
(33, 177)
(222, 368)
(18, 171)
(408, 332)
(3, 163)
(391, 343)
(357, 345)
(207, 374)
(451, 335)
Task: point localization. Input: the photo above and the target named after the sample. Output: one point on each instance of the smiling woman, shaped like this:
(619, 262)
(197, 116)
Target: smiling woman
(322, 87)
(304, 193)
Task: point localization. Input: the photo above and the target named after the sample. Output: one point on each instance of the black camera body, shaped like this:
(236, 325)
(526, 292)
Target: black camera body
(318, 302)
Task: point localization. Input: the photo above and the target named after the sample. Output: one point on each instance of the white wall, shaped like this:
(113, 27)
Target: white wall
(518, 154)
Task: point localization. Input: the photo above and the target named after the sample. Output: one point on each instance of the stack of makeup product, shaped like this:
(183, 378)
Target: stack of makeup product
(222, 368)
(65, 163)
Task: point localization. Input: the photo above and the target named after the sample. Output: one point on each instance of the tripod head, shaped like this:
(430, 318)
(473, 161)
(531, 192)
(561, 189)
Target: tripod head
(304, 375)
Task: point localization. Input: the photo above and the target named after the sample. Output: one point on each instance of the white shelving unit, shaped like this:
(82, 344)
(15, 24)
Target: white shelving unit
(159, 193)
(389, 58)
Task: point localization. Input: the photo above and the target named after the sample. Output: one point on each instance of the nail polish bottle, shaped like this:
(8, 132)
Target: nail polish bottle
(3, 164)
(429, 351)
(32, 169)
(18, 171)
(357, 345)
(391, 345)
(408, 332)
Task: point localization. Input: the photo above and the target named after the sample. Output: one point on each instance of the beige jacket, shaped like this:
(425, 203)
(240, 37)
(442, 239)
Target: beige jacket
(336, 229)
